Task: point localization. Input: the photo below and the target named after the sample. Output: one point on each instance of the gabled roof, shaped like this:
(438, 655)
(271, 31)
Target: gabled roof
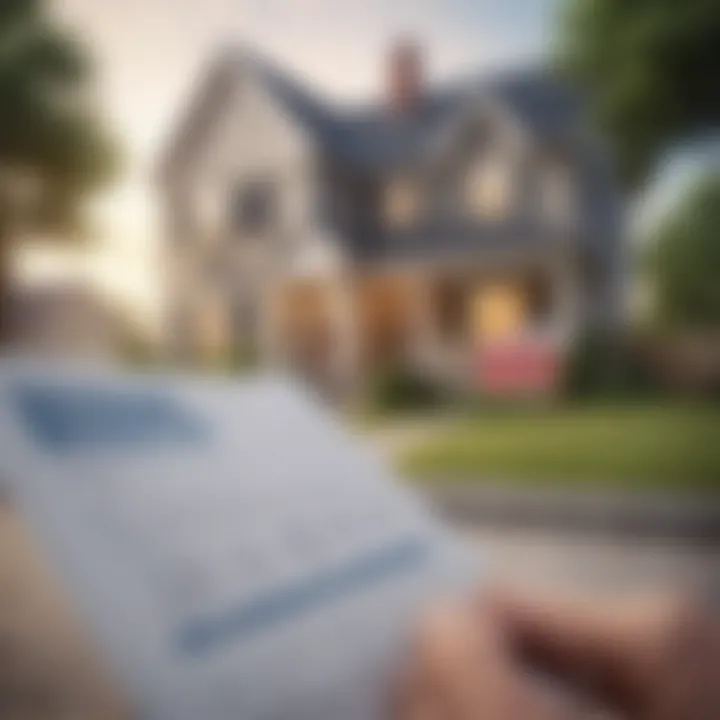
(372, 137)
(540, 103)
(216, 86)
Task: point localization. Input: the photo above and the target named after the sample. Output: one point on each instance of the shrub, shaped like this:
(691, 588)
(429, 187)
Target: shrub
(242, 358)
(606, 365)
(136, 350)
(403, 389)
(235, 360)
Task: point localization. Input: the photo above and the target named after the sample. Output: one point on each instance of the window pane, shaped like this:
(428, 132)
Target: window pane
(488, 189)
(402, 203)
(254, 207)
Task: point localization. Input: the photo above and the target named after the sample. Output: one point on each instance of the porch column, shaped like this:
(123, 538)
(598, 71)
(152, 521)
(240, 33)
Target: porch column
(568, 303)
(423, 328)
(346, 321)
(270, 331)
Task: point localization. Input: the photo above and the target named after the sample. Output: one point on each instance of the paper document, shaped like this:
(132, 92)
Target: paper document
(234, 553)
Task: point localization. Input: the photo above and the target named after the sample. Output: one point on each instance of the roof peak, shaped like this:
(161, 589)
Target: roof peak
(540, 100)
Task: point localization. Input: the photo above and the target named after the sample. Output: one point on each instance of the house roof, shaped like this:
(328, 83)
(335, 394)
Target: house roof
(372, 137)
(374, 140)
(540, 103)
(458, 241)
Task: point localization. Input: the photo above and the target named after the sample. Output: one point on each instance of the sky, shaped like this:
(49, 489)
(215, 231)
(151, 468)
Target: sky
(151, 55)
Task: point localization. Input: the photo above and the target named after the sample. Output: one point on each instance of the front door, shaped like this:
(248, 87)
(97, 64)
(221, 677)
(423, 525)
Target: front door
(498, 312)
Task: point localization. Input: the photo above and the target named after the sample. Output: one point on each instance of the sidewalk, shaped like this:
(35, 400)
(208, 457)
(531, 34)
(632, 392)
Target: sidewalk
(693, 518)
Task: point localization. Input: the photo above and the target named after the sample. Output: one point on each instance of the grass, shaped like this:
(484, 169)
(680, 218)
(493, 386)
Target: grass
(667, 446)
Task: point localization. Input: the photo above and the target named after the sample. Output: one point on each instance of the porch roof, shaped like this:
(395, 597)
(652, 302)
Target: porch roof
(475, 244)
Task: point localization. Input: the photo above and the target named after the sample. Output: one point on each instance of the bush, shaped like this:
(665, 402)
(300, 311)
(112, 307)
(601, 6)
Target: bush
(242, 358)
(402, 389)
(688, 365)
(683, 260)
(607, 366)
(235, 360)
(136, 350)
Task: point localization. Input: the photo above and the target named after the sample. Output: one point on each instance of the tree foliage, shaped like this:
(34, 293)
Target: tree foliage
(651, 68)
(684, 259)
(53, 148)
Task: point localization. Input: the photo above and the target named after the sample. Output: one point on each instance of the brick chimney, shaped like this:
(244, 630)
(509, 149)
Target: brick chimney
(405, 77)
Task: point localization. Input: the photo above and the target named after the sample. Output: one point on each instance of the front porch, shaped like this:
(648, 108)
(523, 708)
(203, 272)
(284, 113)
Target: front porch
(338, 331)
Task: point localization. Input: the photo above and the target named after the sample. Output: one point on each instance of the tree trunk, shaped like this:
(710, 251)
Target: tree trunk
(5, 286)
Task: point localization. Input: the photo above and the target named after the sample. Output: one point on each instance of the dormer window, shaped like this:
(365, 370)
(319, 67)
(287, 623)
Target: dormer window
(402, 203)
(488, 189)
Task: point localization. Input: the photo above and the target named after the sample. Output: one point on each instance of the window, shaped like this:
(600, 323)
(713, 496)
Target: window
(254, 207)
(402, 203)
(499, 310)
(488, 188)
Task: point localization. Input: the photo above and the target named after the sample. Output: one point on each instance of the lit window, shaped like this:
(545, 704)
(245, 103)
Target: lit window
(499, 310)
(402, 203)
(488, 189)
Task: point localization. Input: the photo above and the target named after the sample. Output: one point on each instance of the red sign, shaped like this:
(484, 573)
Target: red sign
(519, 367)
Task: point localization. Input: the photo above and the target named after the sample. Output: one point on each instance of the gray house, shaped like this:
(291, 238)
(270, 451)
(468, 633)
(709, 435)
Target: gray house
(454, 229)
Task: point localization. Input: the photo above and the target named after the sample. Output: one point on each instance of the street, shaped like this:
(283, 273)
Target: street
(548, 560)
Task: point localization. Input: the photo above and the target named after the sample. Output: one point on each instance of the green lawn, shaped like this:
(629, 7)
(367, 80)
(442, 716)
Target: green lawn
(656, 446)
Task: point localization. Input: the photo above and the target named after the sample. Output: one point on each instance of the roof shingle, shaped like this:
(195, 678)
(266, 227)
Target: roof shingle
(373, 137)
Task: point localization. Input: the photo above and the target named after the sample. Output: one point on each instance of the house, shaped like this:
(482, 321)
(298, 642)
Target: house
(469, 231)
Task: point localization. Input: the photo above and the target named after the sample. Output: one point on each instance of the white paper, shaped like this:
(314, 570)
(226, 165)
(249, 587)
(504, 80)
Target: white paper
(235, 553)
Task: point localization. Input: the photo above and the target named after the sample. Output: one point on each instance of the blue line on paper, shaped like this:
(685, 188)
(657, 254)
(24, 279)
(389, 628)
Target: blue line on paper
(200, 636)
(71, 418)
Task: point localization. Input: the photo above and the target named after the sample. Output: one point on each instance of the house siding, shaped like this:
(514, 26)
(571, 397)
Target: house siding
(209, 263)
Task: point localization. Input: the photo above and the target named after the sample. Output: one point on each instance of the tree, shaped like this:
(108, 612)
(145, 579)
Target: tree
(651, 68)
(53, 149)
(684, 259)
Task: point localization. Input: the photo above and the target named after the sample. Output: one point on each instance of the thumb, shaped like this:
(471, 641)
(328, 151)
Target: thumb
(463, 670)
(613, 651)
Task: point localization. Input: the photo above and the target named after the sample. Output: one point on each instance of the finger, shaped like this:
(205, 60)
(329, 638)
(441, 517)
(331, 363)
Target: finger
(466, 669)
(412, 699)
(611, 649)
(456, 656)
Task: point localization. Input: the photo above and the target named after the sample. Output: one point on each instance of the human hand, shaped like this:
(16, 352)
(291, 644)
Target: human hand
(643, 660)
